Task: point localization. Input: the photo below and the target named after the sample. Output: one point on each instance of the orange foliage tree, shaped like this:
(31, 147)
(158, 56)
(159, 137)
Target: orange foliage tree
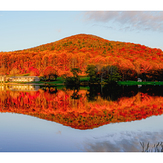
(50, 73)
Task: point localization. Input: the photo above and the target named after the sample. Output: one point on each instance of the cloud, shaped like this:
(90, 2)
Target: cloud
(104, 26)
(126, 141)
(139, 20)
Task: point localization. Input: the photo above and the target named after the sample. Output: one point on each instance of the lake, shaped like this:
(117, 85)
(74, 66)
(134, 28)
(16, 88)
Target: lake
(94, 119)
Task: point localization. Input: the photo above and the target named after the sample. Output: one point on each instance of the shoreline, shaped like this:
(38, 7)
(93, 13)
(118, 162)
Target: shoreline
(61, 83)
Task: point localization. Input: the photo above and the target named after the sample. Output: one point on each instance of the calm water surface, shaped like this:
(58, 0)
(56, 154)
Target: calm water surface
(51, 120)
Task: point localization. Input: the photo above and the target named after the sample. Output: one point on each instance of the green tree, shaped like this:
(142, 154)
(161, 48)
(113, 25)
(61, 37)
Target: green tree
(112, 74)
(91, 70)
(75, 80)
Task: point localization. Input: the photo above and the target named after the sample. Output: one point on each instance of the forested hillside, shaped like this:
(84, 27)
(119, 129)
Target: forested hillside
(79, 51)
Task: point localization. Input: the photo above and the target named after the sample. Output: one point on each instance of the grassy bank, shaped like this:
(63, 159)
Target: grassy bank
(140, 83)
(59, 82)
(84, 80)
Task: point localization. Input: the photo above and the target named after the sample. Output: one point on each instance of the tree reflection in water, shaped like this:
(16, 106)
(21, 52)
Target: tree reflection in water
(155, 148)
(85, 109)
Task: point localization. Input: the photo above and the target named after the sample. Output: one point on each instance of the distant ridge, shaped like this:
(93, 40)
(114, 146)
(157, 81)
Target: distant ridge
(66, 39)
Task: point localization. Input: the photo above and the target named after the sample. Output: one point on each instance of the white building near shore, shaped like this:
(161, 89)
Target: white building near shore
(19, 78)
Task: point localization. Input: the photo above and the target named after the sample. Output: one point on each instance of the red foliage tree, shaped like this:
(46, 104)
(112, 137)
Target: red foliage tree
(34, 71)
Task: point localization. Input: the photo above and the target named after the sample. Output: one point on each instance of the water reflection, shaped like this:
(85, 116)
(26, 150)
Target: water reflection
(126, 141)
(4, 87)
(115, 92)
(85, 109)
(155, 148)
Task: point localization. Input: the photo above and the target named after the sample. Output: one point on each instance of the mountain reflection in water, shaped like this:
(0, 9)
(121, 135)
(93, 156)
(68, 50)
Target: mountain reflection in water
(85, 109)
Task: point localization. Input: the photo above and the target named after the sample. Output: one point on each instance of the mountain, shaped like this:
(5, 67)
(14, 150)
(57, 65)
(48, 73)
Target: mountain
(79, 51)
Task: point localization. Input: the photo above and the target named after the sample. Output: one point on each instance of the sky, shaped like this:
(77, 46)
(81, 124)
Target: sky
(28, 24)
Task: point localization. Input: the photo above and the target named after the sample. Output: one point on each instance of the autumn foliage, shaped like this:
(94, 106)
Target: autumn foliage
(81, 50)
(80, 113)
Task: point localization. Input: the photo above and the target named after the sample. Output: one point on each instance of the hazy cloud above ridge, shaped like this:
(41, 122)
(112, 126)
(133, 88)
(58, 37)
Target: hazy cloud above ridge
(132, 20)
